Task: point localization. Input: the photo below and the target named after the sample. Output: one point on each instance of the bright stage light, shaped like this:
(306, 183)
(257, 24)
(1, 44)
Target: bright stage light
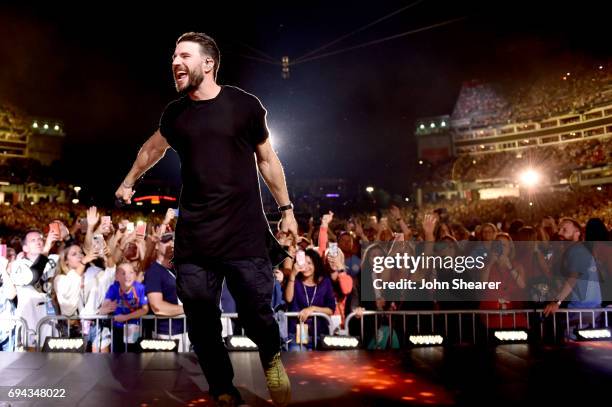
(529, 178)
(74, 345)
(239, 342)
(370, 189)
(159, 345)
(426, 340)
(509, 336)
(340, 342)
(594, 334)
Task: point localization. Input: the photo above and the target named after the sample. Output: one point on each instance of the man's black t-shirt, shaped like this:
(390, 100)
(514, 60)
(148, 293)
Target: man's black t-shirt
(220, 209)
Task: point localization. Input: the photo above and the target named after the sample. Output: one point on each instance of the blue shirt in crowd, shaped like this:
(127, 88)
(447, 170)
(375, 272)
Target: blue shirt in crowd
(159, 279)
(127, 302)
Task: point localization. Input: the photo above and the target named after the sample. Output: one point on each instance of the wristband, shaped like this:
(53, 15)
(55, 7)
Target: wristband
(126, 185)
(285, 207)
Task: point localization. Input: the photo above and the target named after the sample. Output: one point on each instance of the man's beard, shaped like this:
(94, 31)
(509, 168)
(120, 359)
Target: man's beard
(195, 79)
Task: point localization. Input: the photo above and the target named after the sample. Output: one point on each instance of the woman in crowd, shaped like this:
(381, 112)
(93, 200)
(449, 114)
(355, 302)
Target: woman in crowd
(68, 284)
(309, 290)
(504, 268)
(342, 284)
(531, 254)
(69, 287)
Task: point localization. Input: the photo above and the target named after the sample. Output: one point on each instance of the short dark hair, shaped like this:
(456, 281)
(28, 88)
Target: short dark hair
(27, 232)
(208, 47)
(573, 222)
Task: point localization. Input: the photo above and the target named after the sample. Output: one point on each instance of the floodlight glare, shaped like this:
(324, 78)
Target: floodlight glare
(529, 178)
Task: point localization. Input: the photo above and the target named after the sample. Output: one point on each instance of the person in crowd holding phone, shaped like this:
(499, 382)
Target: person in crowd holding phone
(98, 278)
(31, 273)
(68, 284)
(221, 137)
(130, 247)
(342, 283)
(308, 290)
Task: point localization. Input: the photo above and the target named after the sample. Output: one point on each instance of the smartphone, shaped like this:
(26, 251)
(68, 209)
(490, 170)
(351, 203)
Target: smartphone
(83, 225)
(54, 227)
(122, 225)
(97, 243)
(141, 228)
(333, 249)
(3, 250)
(106, 220)
(300, 258)
(130, 227)
(176, 212)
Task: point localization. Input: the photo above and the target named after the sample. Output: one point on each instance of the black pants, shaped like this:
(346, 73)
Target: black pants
(250, 281)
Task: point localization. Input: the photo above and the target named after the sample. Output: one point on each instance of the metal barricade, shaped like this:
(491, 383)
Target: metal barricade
(473, 325)
(171, 321)
(97, 318)
(287, 315)
(314, 315)
(457, 326)
(25, 330)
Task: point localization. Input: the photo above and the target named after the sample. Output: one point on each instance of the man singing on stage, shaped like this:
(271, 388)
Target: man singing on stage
(221, 136)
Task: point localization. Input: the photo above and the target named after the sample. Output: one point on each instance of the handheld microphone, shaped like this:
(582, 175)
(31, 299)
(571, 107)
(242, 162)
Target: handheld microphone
(119, 203)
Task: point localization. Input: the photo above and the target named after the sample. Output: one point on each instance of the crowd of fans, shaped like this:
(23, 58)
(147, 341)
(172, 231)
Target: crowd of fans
(99, 263)
(555, 161)
(549, 94)
(84, 263)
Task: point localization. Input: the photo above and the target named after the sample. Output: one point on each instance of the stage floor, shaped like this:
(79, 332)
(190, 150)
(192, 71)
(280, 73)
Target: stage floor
(508, 374)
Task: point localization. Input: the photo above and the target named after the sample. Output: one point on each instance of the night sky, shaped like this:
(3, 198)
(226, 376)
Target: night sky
(105, 72)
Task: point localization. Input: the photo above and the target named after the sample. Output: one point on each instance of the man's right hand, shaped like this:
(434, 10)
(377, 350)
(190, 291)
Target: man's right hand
(52, 237)
(124, 194)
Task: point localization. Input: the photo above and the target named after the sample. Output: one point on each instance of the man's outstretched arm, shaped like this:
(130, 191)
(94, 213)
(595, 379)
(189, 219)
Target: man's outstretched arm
(272, 172)
(150, 153)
